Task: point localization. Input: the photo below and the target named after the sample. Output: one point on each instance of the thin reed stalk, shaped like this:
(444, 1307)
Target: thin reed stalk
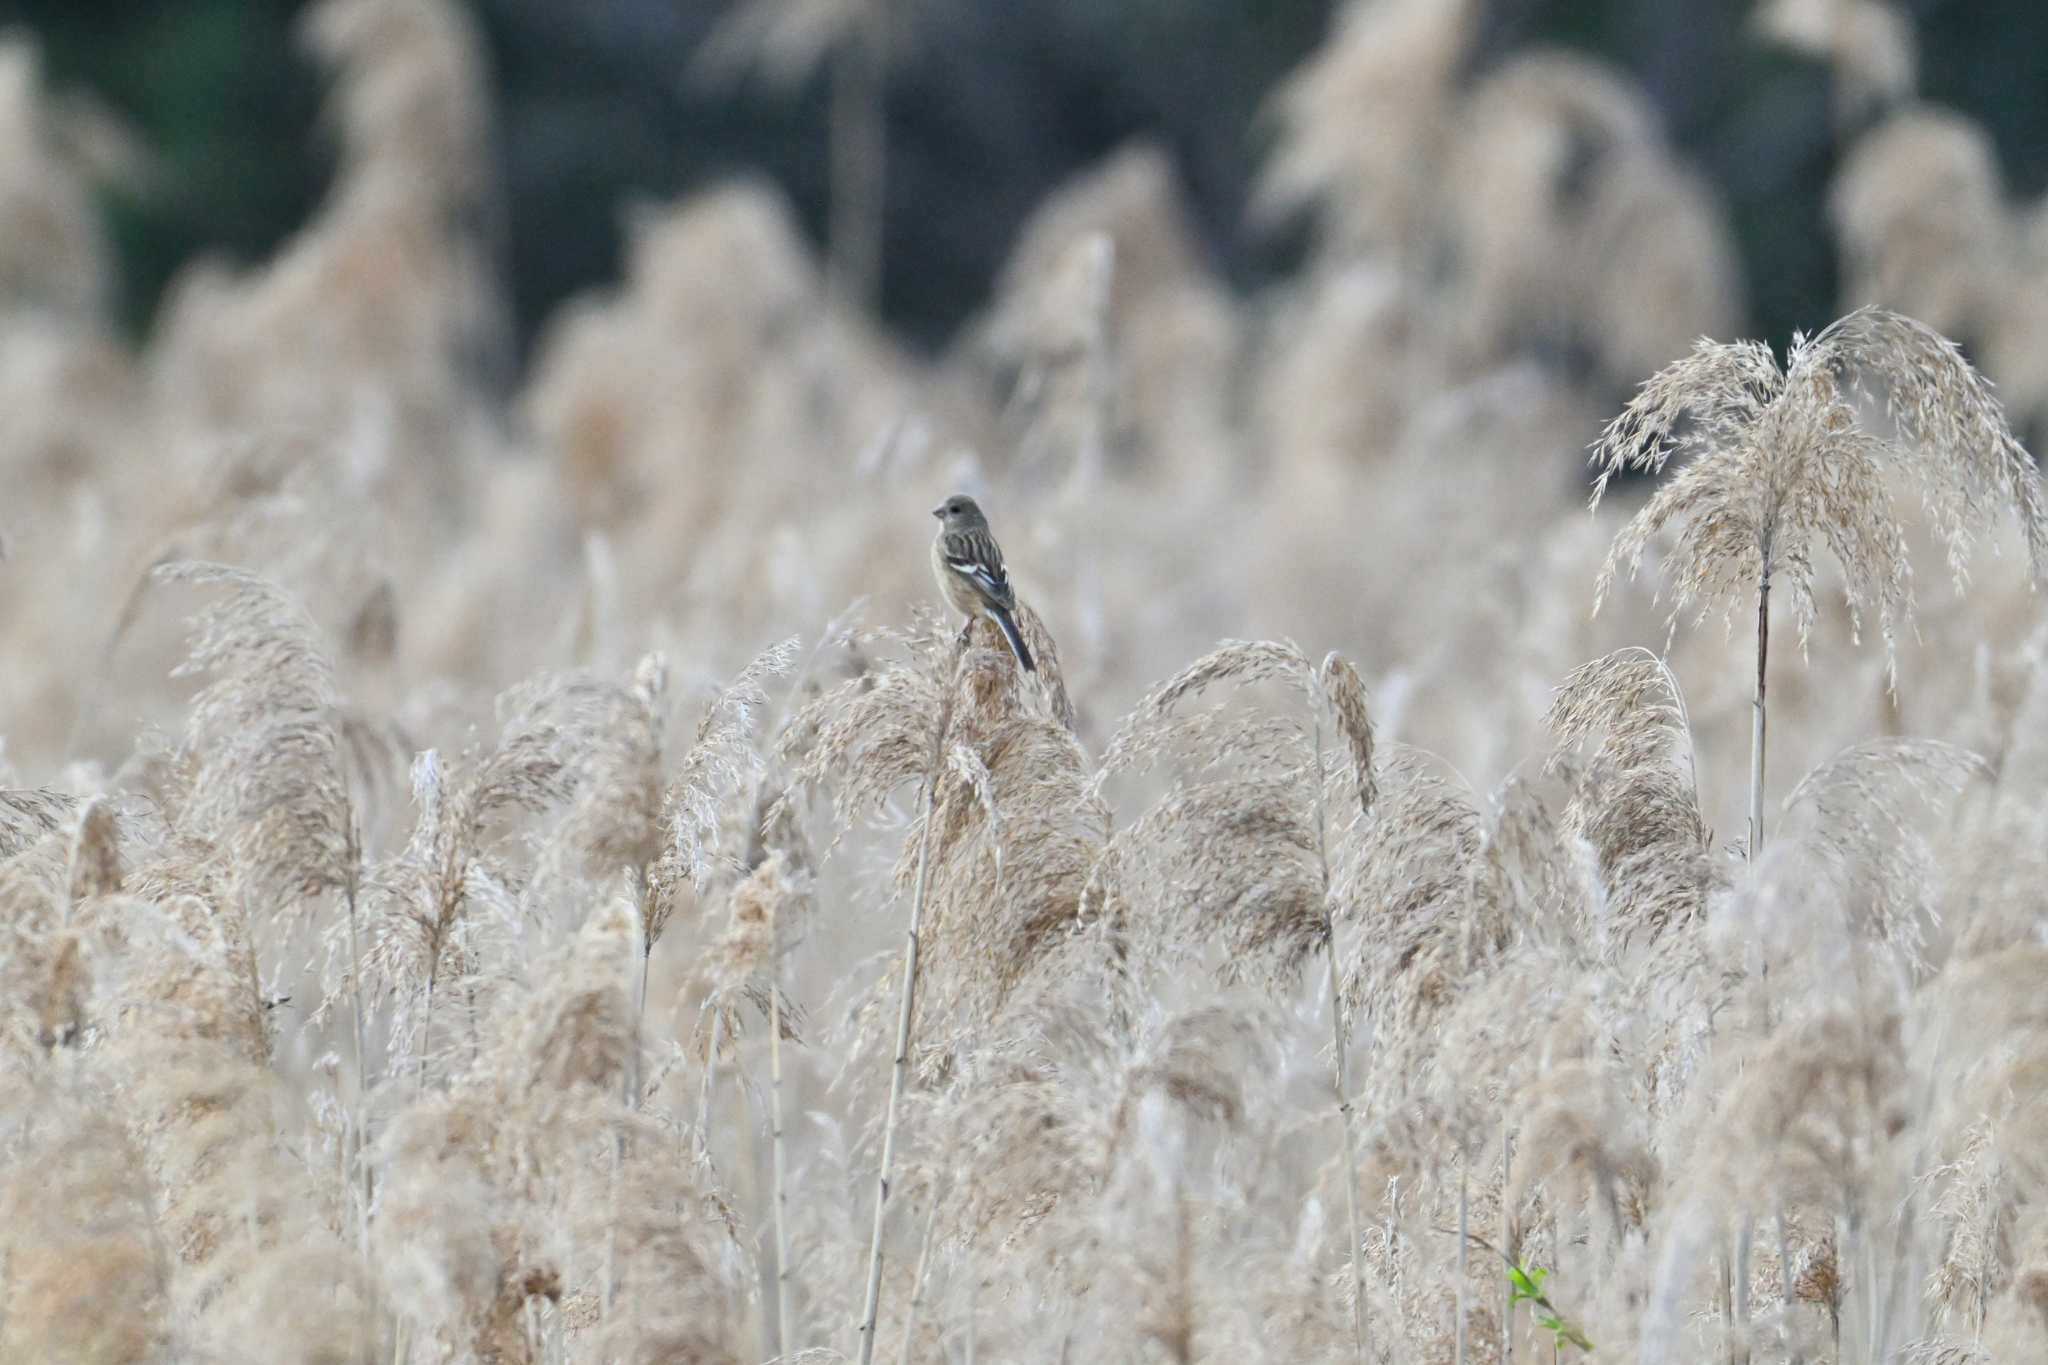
(917, 1281)
(709, 1082)
(629, 1088)
(1844, 1247)
(1508, 1250)
(778, 1156)
(1464, 1240)
(1743, 1240)
(1392, 1234)
(1785, 1279)
(359, 1120)
(1342, 694)
(1360, 1337)
(1756, 732)
(900, 1067)
(1339, 1076)
(972, 1282)
(643, 892)
(611, 1230)
(426, 1030)
(1724, 1295)
(785, 1342)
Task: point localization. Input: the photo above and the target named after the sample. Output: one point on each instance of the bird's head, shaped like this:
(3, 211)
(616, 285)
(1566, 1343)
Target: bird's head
(959, 510)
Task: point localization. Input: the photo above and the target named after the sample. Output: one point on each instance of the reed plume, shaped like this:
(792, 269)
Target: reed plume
(431, 892)
(1778, 458)
(1238, 850)
(271, 778)
(1636, 800)
(86, 1277)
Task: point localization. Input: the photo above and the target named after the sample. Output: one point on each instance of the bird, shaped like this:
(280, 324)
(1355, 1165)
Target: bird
(969, 566)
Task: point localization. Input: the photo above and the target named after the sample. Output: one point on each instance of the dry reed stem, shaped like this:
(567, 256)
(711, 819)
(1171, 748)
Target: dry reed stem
(785, 1341)
(918, 1280)
(1360, 1339)
(900, 1065)
(1359, 729)
(709, 1081)
(1782, 457)
(1508, 1250)
(1755, 845)
(1464, 1241)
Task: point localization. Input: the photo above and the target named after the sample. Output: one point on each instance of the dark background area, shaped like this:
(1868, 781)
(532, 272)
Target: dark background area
(993, 104)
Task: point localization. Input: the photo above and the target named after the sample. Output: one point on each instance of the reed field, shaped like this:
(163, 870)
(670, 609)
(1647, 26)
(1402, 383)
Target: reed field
(464, 842)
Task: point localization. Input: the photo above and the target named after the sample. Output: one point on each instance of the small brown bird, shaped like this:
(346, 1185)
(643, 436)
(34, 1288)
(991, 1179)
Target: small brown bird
(969, 566)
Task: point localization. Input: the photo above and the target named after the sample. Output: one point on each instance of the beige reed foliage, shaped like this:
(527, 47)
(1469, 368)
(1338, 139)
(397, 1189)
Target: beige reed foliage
(271, 776)
(444, 889)
(1231, 856)
(1636, 800)
(86, 1275)
(1782, 457)
(1234, 821)
(1014, 825)
(1779, 460)
(1788, 1114)
(723, 759)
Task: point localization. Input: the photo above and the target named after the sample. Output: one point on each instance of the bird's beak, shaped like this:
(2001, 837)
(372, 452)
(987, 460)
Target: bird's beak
(939, 512)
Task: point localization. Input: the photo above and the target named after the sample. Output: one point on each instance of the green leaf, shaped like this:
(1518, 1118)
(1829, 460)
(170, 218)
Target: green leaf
(1527, 1287)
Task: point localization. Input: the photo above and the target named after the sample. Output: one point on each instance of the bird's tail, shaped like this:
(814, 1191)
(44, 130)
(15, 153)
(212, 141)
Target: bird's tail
(1008, 626)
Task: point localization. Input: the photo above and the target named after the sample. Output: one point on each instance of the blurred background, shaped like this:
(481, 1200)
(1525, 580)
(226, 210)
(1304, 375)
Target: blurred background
(988, 107)
(520, 334)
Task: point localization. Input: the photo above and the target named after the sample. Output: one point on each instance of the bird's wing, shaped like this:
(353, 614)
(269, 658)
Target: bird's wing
(975, 556)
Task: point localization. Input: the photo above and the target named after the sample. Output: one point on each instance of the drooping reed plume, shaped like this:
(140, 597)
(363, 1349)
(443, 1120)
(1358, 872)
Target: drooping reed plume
(443, 892)
(714, 776)
(766, 910)
(1982, 1186)
(1007, 829)
(268, 779)
(721, 763)
(29, 814)
(86, 1277)
(246, 1226)
(1234, 853)
(1782, 459)
(1637, 801)
(1854, 820)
